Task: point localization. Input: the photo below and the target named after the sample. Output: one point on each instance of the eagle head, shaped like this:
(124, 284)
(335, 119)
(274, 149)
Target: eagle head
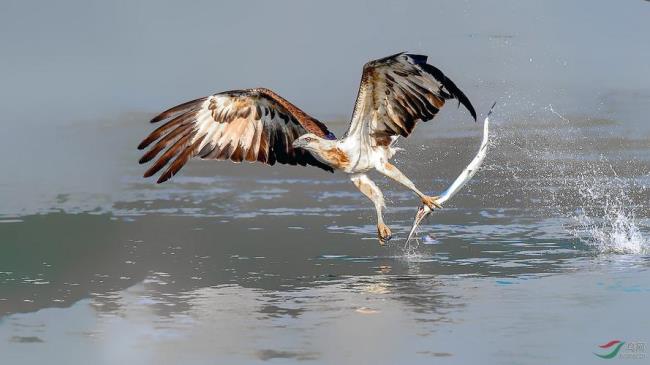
(311, 142)
(323, 149)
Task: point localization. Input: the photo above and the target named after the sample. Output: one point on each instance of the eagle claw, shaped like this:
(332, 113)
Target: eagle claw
(383, 233)
(431, 202)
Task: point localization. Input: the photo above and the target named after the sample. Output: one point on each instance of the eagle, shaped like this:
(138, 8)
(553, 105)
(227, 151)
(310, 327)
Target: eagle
(258, 125)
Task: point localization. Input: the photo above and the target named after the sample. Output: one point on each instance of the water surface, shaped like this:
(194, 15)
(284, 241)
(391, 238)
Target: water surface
(543, 257)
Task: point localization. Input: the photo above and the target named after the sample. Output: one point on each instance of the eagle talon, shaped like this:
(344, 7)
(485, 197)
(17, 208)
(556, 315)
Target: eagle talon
(384, 234)
(431, 202)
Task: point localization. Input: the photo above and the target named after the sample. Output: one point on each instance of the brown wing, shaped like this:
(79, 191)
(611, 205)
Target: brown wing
(398, 91)
(240, 125)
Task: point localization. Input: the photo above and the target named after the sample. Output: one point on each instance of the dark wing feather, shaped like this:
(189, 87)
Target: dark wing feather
(239, 125)
(398, 91)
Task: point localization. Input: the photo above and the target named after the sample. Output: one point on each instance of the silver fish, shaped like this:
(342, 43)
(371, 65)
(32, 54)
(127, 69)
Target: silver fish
(461, 180)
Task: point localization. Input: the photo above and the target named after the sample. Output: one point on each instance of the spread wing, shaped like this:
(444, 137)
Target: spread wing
(398, 91)
(240, 125)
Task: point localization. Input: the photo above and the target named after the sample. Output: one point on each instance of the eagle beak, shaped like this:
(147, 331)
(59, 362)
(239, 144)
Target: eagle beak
(299, 143)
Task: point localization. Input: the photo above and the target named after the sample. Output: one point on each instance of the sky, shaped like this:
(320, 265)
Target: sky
(85, 61)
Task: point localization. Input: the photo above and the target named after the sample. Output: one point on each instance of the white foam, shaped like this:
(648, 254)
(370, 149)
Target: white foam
(606, 219)
(615, 232)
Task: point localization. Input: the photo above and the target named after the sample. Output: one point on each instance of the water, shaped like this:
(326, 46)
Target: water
(540, 259)
(547, 247)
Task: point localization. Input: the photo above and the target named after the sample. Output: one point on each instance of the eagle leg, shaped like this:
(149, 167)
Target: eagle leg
(391, 171)
(369, 189)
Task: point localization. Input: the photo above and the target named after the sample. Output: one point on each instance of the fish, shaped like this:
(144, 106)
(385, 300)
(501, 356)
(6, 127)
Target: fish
(465, 176)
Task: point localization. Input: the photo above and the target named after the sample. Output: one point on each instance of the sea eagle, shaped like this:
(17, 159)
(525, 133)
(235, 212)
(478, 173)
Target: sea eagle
(258, 125)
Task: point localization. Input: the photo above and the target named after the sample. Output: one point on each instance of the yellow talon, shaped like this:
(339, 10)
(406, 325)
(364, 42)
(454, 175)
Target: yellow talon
(383, 233)
(431, 202)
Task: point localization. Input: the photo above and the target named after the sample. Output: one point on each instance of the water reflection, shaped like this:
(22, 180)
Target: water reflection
(238, 321)
(332, 319)
(281, 263)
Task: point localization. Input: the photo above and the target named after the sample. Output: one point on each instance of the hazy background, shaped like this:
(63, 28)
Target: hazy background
(79, 79)
(75, 61)
(540, 259)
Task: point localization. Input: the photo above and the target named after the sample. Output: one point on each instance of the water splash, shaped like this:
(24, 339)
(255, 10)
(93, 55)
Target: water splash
(616, 232)
(410, 250)
(606, 216)
(607, 219)
(561, 170)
